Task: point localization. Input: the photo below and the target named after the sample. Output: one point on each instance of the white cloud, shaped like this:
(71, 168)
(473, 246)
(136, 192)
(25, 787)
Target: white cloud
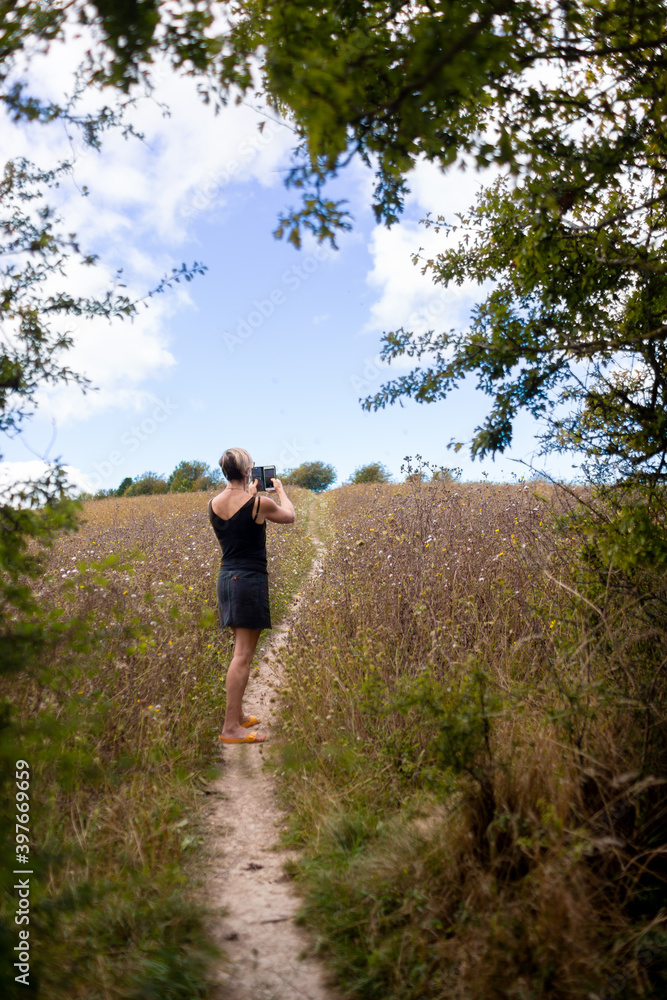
(406, 297)
(144, 197)
(15, 475)
(446, 192)
(181, 167)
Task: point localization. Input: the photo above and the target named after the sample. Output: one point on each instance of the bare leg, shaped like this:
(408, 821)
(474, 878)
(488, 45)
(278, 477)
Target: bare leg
(245, 643)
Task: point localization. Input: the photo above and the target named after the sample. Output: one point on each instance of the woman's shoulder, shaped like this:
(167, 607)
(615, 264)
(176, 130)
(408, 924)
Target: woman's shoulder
(222, 506)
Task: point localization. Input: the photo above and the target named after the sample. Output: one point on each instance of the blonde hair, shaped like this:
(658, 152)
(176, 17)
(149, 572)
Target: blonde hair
(235, 463)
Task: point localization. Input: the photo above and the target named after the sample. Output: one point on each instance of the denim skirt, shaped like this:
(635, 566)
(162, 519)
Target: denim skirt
(243, 598)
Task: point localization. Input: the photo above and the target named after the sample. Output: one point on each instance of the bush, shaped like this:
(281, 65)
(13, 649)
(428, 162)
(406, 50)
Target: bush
(189, 477)
(315, 476)
(145, 484)
(124, 486)
(447, 475)
(373, 473)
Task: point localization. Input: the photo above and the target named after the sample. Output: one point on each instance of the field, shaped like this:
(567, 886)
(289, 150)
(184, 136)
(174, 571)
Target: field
(473, 783)
(121, 733)
(471, 746)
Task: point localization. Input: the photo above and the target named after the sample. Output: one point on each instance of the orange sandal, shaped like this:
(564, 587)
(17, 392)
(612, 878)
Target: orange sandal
(250, 738)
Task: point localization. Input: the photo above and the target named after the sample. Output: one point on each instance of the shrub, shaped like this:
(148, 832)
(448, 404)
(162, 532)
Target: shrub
(147, 483)
(189, 477)
(373, 473)
(315, 476)
(125, 485)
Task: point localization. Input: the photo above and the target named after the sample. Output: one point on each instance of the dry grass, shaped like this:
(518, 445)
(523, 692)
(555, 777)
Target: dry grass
(462, 763)
(121, 731)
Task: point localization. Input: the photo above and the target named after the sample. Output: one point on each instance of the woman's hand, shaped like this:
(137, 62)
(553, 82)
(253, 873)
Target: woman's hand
(277, 485)
(252, 487)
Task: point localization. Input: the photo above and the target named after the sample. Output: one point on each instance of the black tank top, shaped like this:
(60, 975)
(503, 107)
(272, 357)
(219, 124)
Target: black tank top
(242, 540)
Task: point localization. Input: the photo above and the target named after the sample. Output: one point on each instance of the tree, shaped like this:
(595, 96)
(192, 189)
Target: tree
(126, 483)
(147, 483)
(373, 473)
(189, 476)
(35, 305)
(564, 98)
(315, 476)
(125, 41)
(444, 474)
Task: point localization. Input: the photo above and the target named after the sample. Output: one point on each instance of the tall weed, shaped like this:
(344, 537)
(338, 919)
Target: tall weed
(466, 773)
(119, 724)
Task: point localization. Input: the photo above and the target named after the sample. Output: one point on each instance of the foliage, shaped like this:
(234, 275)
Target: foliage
(446, 474)
(25, 538)
(564, 99)
(147, 483)
(315, 476)
(35, 252)
(36, 303)
(35, 300)
(126, 483)
(192, 476)
(373, 473)
(126, 39)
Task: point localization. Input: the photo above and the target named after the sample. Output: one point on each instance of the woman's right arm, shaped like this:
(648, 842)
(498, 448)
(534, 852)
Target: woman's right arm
(283, 514)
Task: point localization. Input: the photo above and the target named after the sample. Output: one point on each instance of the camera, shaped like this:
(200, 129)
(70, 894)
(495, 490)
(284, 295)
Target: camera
(264, 473)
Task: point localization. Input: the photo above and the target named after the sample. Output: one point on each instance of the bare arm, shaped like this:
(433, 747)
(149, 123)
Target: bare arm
(283, 514)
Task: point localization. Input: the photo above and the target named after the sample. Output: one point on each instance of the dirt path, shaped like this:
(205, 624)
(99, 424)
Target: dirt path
(247, 880)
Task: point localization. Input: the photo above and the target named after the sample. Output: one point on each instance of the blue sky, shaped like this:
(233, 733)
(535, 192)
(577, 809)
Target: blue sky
(271, 349)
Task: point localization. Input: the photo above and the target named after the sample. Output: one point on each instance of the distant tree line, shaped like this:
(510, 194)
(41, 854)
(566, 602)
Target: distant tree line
(187, 477)
(192, 476)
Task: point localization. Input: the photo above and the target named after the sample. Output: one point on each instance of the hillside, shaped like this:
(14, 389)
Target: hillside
(466, 749)
(120, 727)
(469, 746)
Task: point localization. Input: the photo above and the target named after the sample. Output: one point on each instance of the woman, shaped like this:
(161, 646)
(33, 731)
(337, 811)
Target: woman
(238, 516)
